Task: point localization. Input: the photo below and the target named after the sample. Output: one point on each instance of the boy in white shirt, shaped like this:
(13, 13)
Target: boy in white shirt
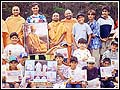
(73, 74)
(61, 71)
(14, 48)
(82, 53)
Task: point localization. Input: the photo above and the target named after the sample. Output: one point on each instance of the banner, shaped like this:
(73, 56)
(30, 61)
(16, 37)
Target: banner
(40, 70)
(106, 71)
(12, 76)
(95, 83)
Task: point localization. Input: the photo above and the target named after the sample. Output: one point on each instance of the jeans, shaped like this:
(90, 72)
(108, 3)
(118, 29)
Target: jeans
(73, 85)
(107, 84)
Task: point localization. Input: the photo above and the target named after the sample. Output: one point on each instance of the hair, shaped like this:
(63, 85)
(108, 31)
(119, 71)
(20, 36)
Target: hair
(80, 14)
(114, 43)
(106, 60)
(13, 34)
(73, 58)
(82, 40)
(34, 4)
(106, 8)
(93, 12)
(59, 55)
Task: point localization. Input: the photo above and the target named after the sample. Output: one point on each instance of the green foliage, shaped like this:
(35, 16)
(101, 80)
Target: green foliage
(58, 9)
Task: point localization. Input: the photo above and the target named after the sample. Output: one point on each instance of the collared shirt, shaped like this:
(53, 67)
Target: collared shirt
(95, 42)
(36, 19)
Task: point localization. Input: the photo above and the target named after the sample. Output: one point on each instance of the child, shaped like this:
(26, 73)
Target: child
(95, 43)
(106, 82)
(61, 70)
(106, 26)
(73, 71)
(81, 30)
(92, 71)
(112, 53)
(82, 53)
(13, 66)
(22, 58)
(62, 48)
(36, 18)
(14, 48)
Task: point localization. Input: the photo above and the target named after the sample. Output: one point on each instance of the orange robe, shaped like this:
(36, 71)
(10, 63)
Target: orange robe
(57, 29)
(34, 44)
(15, 24)
(68, 38)
(69, 26)
(5, 34)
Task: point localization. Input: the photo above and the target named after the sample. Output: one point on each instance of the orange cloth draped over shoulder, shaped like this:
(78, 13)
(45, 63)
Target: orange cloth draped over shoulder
(5, 34)
(15, 24)
(35, 45)
(69, 26)
(68, 38)
(57, 29)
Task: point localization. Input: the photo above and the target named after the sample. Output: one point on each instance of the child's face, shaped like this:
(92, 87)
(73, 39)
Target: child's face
(22, 60)
(13, 64)
(81, 19)
(82, 46)
(73, 65)
(91, 65)
(4, 61)
(14, 39)
(35, 9)
(105, 13)
(114, 47)
(59, 60)
(106, 64)
(91, 16)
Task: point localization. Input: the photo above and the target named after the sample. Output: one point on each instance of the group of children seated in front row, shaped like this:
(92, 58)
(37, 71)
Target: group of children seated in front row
(65, 74)
(81, 60)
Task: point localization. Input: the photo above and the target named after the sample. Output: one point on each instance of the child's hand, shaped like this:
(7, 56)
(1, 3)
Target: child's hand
(84, 59)
(69, 80)
(106, 78)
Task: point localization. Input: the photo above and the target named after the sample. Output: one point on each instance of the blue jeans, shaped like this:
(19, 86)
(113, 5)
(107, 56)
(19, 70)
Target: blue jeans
(73, 85)
(107, 84)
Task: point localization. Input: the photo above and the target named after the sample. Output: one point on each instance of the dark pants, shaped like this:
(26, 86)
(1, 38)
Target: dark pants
(107, 84)
(73, 85)
(41, 57)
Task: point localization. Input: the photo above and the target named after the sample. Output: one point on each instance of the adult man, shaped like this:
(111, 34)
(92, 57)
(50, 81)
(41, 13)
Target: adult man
(69, 22)
(4, 34)
(14, 24)
(57, 30)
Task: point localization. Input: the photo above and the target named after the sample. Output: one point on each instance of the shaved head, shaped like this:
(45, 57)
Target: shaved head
(15, 10)
(68, 11)
(68, 14)
(55, 17)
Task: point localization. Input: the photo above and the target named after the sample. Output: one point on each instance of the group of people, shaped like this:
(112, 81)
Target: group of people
(87, 46)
